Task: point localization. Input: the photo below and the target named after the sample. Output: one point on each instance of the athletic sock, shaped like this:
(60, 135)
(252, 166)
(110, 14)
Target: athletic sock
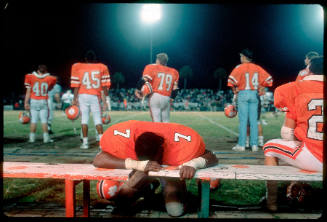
(85, 140)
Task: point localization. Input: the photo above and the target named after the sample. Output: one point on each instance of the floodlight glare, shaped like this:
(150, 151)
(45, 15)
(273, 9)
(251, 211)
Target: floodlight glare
(151, 13)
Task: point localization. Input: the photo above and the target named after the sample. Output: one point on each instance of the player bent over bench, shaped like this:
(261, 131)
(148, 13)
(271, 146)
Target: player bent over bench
(302, 132)
(145, 146)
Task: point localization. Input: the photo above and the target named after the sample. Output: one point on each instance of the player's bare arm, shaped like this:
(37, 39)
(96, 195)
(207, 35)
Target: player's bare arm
(104, 101)
(106, 160)
(187, 170)
(75, 100)
(27, 99)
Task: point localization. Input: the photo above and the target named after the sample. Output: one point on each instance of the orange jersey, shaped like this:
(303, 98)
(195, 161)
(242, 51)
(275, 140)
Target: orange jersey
(249, 76)
(181, 142)
(303, 73)
(90, 78)
(39, 84)
(304, 101)
(162, 78)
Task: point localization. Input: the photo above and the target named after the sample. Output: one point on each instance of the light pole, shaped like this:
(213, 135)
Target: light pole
(150, 14)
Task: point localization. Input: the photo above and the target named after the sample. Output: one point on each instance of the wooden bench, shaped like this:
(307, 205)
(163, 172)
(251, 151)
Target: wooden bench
(75, 173)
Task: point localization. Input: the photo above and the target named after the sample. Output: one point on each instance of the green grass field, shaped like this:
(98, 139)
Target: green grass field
(218, 132)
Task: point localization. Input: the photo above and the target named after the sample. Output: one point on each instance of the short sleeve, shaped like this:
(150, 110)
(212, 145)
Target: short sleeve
(233, 77)
(284, 99)
(105, 77)
(266, 79)
(75, 79)
(148, 72)
(27, 81)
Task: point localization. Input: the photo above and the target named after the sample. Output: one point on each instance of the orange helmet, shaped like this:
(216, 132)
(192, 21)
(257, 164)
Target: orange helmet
(108, 189)
(24, 117)
(230, 111)
(146, 89)
(106, 118)
(72, 112)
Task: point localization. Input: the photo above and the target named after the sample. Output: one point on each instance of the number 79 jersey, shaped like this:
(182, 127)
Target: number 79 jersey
(162, 78)
(181, 142)
(304, 102)
(39, 84)
(90, 78)
(249, 76)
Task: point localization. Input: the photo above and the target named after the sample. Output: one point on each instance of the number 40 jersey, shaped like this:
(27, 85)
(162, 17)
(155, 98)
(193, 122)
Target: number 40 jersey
(181, 142)
(304, 102)
(39, 84)
(90, 78)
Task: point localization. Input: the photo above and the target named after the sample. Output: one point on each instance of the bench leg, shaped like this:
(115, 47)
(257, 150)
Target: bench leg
(86, 198)
(70, 197)
(205, 198)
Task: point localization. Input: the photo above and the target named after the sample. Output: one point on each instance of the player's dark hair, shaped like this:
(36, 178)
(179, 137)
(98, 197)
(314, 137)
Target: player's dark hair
(148, 146)
(311, 54)
(247, 53)
(42, 68)
(317, 65)
(163, 58)
(90, 56)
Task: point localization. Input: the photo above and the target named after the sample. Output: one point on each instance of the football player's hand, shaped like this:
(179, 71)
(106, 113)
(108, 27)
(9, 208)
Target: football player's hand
(186, 172)
(138, 94)
(27, 106)
(152, 166)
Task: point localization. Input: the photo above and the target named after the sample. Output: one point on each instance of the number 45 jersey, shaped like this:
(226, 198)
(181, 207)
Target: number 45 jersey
(304, 101)
(162, 78)
(39, 84)
(90, 78)
(181, 142)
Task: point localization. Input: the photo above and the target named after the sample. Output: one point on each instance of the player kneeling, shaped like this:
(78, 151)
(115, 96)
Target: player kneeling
(302, 132)
(145, 146)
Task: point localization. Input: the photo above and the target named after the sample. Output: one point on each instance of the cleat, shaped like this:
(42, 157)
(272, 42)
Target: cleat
(238, 148)
(84, 146)
(254, 148)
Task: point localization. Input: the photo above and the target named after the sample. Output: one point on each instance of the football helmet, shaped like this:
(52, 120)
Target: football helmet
(24, 117)
(108, 189)
(72, 112)
(146, 89)
(105, 118)
(230, 111)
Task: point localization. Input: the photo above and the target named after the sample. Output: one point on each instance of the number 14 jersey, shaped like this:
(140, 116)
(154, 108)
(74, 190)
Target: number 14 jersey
(181, 142)
(90, 78)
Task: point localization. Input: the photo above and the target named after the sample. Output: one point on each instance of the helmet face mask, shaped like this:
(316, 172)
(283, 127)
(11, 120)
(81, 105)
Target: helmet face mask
(230, 111)
(72, 112)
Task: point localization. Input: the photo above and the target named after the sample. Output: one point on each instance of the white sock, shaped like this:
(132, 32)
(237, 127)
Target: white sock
(100, 135)
(32, 136)
(85, 140)
(45, 136)
(260, 138)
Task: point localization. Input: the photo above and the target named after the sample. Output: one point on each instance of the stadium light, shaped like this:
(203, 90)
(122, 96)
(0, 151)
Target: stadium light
(150, 14)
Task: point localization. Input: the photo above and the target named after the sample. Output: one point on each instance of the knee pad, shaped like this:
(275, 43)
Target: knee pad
(175, 209)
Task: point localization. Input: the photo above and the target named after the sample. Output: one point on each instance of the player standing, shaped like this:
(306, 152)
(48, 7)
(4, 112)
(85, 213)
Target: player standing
(302, 132)
(36, 100)
(91, 82)
(144, 146)
(305, 72)
(54, 95)
(164, 83)
(246, 80)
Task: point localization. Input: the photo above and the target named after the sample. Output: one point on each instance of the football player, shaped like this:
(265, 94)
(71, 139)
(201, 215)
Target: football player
(305, 72)
(36, 100)
(164, 82)
(91, 81)
(302, 131)
(245, 80)
(54, 96)
(145, 146)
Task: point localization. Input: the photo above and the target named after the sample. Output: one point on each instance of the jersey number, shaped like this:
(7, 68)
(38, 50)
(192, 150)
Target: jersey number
(254, 80)
(86, 80)
(127, 134)
(165, 77)
(40, 89)
(315, 119)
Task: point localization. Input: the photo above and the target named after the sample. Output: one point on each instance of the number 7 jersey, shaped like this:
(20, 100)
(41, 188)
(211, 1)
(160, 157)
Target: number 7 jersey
(181, 142)
(90, 78)
(39, 84)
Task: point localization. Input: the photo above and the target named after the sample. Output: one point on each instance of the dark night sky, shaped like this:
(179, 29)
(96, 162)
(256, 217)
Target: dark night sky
(203, 36)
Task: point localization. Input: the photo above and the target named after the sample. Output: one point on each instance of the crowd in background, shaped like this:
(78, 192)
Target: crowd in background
(186, 100)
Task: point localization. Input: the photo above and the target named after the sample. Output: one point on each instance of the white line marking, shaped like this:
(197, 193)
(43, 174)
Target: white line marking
(219, 125)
